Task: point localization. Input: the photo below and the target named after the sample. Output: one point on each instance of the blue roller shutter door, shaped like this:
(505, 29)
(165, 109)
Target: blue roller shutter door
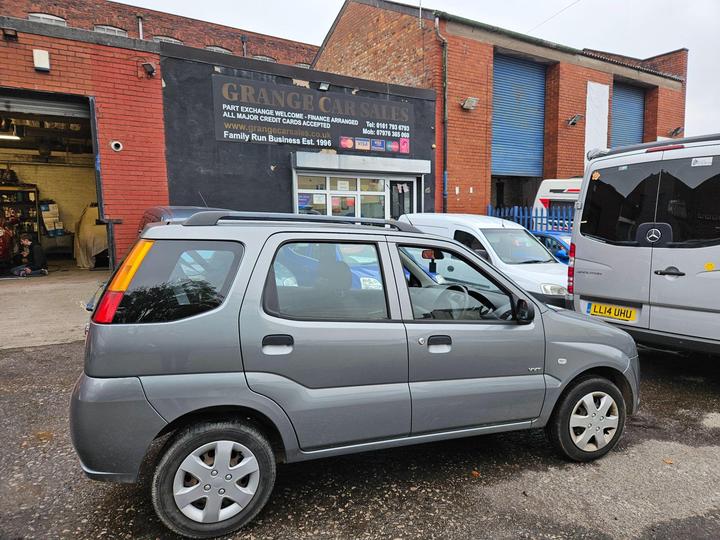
(518, 119)
(628, 115)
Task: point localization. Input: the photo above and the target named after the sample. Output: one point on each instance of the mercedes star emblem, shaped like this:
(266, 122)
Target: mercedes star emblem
(653, 235)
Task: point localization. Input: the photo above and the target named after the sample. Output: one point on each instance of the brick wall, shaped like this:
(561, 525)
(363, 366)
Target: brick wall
(565, 96)
(86, 14)
(128, 108)
(665, 108)
(470, 73)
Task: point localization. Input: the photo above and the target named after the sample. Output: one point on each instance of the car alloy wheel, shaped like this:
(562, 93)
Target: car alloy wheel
(216, 481)
(594, 421)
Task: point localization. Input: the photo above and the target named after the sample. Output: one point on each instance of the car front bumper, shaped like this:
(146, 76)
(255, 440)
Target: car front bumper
(112, 425)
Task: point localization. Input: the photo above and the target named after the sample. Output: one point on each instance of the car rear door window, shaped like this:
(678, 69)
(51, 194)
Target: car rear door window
(178, 279)
(689, 200)
(618, 199)
(326, 281)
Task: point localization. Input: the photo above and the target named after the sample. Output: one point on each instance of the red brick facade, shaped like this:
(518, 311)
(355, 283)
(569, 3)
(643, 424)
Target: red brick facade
(85, 14)
(565, 96)
(384, 41)
(128, 108)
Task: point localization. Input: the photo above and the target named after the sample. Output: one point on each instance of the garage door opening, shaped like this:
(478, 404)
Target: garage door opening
(48, 187)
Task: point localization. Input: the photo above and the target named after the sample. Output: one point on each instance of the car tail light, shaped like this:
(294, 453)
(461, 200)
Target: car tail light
(571, 270)
(113, 295)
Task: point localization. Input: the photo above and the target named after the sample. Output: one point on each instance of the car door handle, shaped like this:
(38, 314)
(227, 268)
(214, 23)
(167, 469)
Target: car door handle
(669, 272)
(439, 344)
(276, 344)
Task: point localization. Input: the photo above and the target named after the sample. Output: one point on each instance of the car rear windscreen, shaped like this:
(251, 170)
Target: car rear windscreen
(178, 279)
(681, 192)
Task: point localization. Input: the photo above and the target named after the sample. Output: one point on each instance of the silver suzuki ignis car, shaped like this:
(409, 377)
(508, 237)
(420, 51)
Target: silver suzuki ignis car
(233, 341)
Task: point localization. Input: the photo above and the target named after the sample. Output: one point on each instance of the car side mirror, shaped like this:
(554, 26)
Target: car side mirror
(483, 254)
(524, 311)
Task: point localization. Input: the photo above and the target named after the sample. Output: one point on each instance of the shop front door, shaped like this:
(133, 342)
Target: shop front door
(402, 197)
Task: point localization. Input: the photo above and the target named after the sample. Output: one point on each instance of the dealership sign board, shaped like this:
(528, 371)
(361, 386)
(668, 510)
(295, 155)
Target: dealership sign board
(266, 113)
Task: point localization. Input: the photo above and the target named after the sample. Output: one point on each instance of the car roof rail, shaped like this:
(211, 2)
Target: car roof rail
(204, 219)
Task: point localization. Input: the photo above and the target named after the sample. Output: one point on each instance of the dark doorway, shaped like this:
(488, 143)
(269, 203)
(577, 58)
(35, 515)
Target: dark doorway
(402, 194)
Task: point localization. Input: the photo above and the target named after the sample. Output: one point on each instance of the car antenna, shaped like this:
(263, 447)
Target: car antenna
(203, 199)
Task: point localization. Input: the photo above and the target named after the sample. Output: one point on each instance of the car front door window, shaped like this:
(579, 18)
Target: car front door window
(445, 286)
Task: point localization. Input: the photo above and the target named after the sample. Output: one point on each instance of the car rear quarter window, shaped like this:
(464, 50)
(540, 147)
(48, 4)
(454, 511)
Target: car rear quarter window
(178, 279)
(618, 199)
(689, 200)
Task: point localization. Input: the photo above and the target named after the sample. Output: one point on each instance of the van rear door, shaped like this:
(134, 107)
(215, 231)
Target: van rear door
(612, 260)
(685, 278)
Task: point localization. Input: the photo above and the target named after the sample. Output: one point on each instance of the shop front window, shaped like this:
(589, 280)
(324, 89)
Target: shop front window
(372, 206)
(343, 206)
(312, 203)
(311, 182)
(350, 196)
(343, 184)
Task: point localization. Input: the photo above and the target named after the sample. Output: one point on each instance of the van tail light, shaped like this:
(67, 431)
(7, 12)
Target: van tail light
(545, 202)
(664, 148)
(113, 295)
(571, 270)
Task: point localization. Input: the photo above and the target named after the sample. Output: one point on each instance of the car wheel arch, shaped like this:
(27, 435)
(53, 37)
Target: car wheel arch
(233, 413)
(613, 375)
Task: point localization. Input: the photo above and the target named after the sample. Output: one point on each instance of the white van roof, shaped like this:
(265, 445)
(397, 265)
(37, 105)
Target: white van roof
(689, 141)
(474, 221)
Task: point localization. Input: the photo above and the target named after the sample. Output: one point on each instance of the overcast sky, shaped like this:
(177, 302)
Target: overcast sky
(639, 28)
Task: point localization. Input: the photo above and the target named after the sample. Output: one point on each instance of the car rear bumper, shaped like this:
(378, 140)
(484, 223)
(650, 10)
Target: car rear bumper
(112, 425)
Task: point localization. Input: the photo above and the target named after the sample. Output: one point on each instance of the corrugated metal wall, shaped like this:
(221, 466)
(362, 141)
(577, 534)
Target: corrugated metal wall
(628, 115)
(518, 125)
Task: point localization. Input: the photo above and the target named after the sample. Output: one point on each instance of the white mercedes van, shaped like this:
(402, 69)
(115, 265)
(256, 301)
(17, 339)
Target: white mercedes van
(508, 246)
(645, 250)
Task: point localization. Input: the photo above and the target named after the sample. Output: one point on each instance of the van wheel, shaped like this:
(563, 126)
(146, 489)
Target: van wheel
(212, 479)
(588, 420)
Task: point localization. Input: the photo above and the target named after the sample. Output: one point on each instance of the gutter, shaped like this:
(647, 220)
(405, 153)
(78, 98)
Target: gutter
(445, 112)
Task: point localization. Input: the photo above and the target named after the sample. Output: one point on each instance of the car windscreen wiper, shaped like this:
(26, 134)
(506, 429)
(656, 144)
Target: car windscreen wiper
(535, 261)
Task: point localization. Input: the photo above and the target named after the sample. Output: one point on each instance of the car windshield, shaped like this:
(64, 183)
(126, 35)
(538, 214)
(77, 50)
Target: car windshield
(517, 246)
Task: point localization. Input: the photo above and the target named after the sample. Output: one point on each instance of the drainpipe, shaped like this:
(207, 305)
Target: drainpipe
(140, 26)
(444, 114)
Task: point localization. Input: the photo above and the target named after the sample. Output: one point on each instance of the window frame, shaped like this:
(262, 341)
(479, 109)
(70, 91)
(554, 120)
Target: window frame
(167, 39)
(378, 243)
(47, 18)
(114, 30)
(218, 49)
(406, 307)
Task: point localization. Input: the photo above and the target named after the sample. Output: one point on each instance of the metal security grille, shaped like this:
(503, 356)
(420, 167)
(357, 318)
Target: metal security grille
(518, 125)
(628, 115)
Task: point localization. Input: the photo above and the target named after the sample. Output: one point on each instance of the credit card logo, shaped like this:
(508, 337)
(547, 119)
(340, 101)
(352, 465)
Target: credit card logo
(362, 144)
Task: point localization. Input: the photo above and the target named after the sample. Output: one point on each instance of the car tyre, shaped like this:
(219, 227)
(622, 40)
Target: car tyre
(588, 420)
(201, 449)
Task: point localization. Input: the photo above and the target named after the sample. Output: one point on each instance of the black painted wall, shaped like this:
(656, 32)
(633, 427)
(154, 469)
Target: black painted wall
(246, 176)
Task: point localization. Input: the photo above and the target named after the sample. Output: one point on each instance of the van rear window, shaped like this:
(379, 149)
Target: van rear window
(178, 279)
(618, 199)
(689, 200)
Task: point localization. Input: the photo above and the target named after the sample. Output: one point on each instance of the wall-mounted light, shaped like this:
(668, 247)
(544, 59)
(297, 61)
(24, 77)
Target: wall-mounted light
(149, 69)
(573, 120)
(9, 34)
(469, 103)
(324, 86)
(677, 131)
